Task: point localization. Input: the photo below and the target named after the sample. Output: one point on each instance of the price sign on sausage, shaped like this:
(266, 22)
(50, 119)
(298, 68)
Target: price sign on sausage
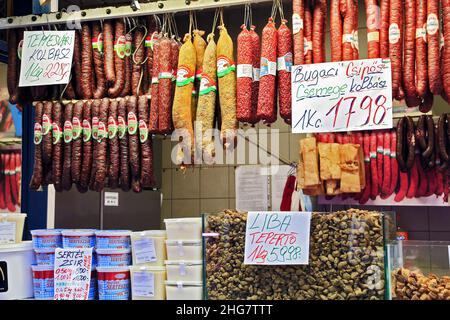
(72, 273)
(342, 96)
(277, 238)
(46, 57)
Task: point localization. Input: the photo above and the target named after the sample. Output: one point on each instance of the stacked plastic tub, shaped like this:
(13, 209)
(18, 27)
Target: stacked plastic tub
(184, 259)
(148, 272)
(44, 243)
(113, 260)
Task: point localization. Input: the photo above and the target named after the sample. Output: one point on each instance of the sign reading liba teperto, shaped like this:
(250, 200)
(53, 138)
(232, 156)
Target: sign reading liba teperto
(72, 273)
(46, 57)
(342, 96)
(277, 238)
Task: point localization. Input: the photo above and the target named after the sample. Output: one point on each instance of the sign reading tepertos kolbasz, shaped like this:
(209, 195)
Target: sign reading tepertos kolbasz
(342, 96)
(277, 238)
(46, 57)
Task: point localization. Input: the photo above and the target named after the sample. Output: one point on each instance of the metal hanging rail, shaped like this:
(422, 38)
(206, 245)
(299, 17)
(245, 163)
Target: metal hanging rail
(159, 7)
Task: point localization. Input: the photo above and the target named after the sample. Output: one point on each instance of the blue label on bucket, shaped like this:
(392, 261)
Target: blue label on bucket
(113, 242)
(43, 288)
(45, 258)
(47, 241)
(114, 289)
(113, 260)
(78, 241)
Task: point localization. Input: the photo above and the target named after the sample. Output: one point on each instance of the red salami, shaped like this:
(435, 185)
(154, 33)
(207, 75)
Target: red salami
(284, 65)
(245, 56)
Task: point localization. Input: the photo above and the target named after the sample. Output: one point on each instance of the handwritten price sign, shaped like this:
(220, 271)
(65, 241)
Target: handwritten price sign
(46, 57)
(342, 96)
(277, 238)
(72, 273)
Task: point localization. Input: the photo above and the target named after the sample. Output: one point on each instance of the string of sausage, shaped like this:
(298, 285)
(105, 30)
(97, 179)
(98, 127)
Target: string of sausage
(421, 49)
(146, 174)
(284, 48)
(87, 147)
(165, 85)
(154, 102)
(47, 142)
(298, 31)
(12, 72)
(138, 60)
(256, 44)
(95, 109)
(395, 46)
(77, 142)
(308, 32)
(133, 138)
(124, 177)
(119, 61)
(87, 80)
(100, 89)
(57, 156)
(37, 177)
(432, 29)
(335, 31)
(318, 31)
(108, 47)
(244, 75)
(113, 146)
(100, 147)
(373, 28)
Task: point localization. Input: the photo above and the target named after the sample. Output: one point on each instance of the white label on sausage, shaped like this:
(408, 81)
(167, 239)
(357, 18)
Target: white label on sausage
(285, 63)
(297, 23)
(373, 36)
(244, 71)
(432, 24)
(256, 74)
(143, 284)
(144, 250)
(441, 41)
(7, 232)
(268, 67)
(394, 33)
(421, 33)
(347, 38)
(307, 46)
(355, 40)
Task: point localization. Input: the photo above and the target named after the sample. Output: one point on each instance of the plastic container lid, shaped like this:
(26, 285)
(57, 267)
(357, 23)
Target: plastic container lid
(151, 233)
(183, 220)
(47, 250)
(184, 242)
(185, 262)
(78, 232)
(24, 246)
(35, 267)
(113, 269)
(113, 233)
(112, 251)
(6, 215)
(184, 283)
(46, 232)
(147, 268)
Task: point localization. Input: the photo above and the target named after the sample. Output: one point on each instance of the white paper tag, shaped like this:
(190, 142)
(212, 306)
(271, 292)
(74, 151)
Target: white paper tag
(245, 71)
(268, 67)
(373, 36)
(111, 199)
(297, 23)
(256, 74)
(143, 284)
(144, 250)
(182, 269)
(347, 38)
(180, 249)
(7, 232)
(394, 33)
(285, 63)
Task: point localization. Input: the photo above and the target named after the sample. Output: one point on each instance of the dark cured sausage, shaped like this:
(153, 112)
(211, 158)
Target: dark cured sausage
(266, 97)
(373, 29)
(77, 141)
(77, 64)
(446, 51)
(308, 32)
(133, 137)
(100, 146)
(147, 180)
(57, 156)
(409, 54)
(128, 66)
(119, 59)
(244, 75)
(113, 143)
(151, 33)
(298, 31)
(335, 31)
(124, 178)
(154, 105)
(95, 109)
(165, 66)
(97, 36)
(36, 179)
(138, 60)
(47, 133)
(434, 72)
(67, 164)
(87, 148)
(12, 72)
(384, 28)
(87, 81)
(442, 139)
(318, 33)
(395, 46)
(284, 71)
(421, 48)
(108, 47)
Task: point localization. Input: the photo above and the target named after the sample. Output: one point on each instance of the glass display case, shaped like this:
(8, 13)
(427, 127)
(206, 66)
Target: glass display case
(346, 259)
(419, 270)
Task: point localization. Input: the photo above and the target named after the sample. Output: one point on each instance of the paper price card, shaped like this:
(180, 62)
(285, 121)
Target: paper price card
(342, 96)
(46, 57)
(72, 273)
(277, 238)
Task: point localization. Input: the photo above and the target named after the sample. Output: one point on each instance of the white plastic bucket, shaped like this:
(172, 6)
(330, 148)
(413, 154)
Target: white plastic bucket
(148, 247)
(147, 283)
(184, 290)
(184, 228)
(46, 238)
(112, 239)
(113, 283)
(43, 282)
(184, 270)
(184, 250)
(11, 227)
(113, 258)
(45, 257)
(78, 238)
